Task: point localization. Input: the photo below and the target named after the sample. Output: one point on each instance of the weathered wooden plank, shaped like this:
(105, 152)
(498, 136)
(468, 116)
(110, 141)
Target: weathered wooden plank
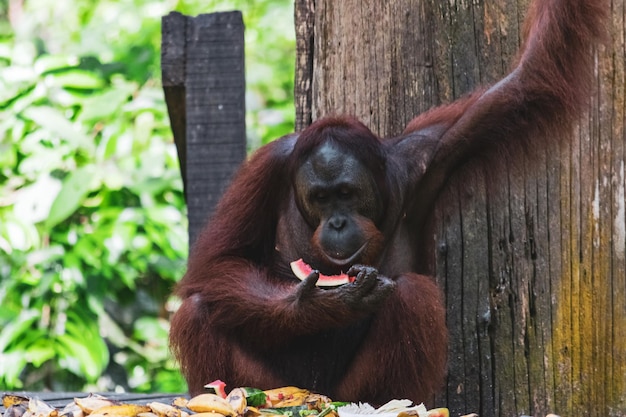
(439, 256)
(562, 336)
(553, 255)
(614, 81)
(173, 31)
(537, 256)
(448, 262)
(215, 91)
(204, 84)
(600, 265)
(476, 303)
(304, 11)
(519, 286)
(503, 295)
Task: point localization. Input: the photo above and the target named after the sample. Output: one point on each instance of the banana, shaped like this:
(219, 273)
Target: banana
(237, 399)
(92, 402)
(180, 402)
(210, 403)
(15, 405)
(38, 408)
(442, 412)
(10, 399)
(164, 410)
(120, 410)
(72, 410)
(286, 396)
(208, 414)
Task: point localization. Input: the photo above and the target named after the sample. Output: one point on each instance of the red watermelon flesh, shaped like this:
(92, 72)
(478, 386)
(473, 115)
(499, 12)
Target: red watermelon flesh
(218, 386)
(302, 270)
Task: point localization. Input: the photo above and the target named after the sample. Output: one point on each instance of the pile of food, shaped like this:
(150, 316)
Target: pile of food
(240, 402)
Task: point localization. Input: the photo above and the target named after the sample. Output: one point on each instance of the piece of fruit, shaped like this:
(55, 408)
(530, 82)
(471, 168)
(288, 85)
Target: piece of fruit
(218, 387)
(439, 412)
(237, 399)
(16, 410)
(120, 410)
(316, 401)
(38, 408)
(302, 270)
(286, 397)
(208, 414)
(254, 397)
(164, 410)
(92, 402)
(71, 410)
(10, 399)
(207, 403)
(180, 402)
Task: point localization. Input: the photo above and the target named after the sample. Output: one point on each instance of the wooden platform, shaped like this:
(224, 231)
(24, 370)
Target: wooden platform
(61, 399)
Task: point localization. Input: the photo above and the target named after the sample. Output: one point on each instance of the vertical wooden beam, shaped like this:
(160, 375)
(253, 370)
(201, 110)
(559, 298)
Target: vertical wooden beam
(204, 82)
(304, 11)
(173, 32)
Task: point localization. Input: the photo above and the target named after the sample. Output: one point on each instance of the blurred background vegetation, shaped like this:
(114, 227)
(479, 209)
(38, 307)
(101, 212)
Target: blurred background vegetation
(92, 217)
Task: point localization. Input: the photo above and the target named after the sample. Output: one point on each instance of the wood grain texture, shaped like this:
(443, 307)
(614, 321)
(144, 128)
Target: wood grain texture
(204, 84)
(531, 256)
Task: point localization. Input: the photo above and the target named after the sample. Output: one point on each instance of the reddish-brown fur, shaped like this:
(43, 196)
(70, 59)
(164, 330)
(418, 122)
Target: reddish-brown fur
(242, 320)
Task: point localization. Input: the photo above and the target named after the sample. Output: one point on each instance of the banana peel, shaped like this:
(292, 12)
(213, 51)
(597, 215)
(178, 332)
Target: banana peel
(10, 399)
(208, 414)
(207, 403)
(237, 399)
(120, 410)
(180, 402)
(38, 408)
(439, 412)
(15, 405)
(16, 410)
(164, 410)
(93, 402)
(72, 410)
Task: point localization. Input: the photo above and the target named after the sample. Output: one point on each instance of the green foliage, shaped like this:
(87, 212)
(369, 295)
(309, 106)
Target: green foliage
(92, 217)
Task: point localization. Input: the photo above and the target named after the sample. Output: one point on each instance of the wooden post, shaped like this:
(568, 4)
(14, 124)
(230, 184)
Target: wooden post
(204, 82)
(533, 269)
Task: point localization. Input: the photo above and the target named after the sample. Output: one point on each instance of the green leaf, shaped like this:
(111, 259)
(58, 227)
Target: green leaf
(47, 63)
(105, 105)
(75, 78)
(39, 353)
(75, 187)
(54, 121)
(45, 255)
(150, 329)
(72, 355)
(11, 366)
(85, 326)
(82, 354)
(16, 328)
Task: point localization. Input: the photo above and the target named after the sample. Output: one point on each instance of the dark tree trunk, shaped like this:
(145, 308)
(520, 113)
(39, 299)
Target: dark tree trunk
(534, 270)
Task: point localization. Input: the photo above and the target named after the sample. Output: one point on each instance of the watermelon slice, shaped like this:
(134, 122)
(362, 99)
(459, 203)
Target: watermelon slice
(302, 270)
(218, 387)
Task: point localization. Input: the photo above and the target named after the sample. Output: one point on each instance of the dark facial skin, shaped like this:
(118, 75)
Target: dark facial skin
(337, 195)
